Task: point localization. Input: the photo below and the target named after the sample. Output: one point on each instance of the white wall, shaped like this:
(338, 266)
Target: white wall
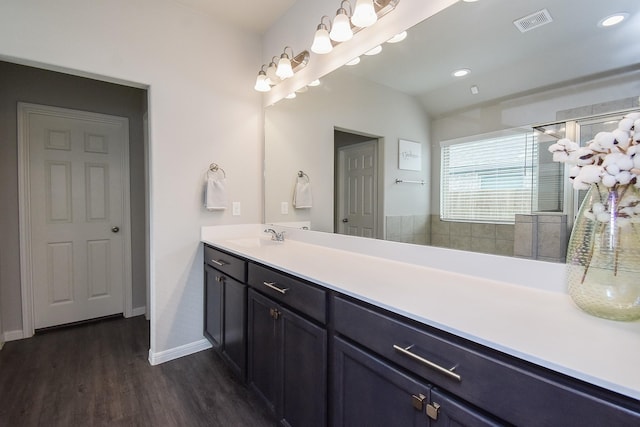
(299, 136)
(202, 109)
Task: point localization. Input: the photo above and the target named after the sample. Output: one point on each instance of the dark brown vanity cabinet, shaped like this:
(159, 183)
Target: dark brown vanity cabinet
(225, 295)
(287, 346)
(320, 358)
(462, 381)
(369, 391)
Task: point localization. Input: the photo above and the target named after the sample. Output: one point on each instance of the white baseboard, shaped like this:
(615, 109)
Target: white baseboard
(177, 352)
(138, 311)
(13, 335)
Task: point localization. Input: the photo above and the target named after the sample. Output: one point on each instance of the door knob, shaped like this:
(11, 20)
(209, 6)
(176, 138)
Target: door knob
(345, 219)
(115, 229)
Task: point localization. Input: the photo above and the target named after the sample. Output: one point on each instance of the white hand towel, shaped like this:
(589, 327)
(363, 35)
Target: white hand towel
(302, 195)
(215, 197)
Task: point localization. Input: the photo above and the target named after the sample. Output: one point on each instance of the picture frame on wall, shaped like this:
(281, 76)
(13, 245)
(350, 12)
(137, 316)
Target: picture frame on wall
(409, 155)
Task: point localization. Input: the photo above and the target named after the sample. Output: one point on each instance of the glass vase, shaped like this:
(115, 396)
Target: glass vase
(603, 257)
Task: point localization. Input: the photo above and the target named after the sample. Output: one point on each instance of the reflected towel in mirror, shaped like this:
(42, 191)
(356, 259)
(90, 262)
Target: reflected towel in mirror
(302, 195)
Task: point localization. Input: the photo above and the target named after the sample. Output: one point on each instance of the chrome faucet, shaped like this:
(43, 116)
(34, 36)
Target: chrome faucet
(278, 237)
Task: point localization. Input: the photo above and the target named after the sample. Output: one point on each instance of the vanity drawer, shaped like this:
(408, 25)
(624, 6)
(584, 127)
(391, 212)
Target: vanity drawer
(226, 263)
(514, 390)
(289, 290)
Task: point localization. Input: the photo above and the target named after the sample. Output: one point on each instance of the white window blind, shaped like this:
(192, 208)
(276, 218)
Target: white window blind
(489, 179)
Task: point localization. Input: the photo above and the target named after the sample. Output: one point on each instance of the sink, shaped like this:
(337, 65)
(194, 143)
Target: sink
(254, 242)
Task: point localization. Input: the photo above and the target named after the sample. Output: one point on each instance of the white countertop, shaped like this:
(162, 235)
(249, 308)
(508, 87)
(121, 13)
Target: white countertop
(539, 324)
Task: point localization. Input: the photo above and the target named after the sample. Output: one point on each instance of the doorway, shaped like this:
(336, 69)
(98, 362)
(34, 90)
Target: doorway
(76, 237)
(356, 181)
(35, 85)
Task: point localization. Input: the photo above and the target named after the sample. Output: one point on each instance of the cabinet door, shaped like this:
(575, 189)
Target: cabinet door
(234, 349)
(451, 412)
(214, 306)
(366, 391)
(263, 348)
(304, 371)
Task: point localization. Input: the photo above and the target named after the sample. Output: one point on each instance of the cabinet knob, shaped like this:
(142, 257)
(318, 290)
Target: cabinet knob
(418, 401)
(432, 410)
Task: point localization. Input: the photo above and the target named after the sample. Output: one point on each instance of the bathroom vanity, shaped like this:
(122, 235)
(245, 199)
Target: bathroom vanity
(338, 335)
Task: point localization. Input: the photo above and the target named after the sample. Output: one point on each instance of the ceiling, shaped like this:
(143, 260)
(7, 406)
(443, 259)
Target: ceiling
(256, 16)
(481, 36)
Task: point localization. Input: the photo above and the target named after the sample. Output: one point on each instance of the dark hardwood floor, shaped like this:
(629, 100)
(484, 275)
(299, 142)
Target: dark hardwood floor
(98, 375)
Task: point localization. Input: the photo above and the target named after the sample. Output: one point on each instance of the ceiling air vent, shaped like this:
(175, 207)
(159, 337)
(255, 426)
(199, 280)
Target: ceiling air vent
(535, 20)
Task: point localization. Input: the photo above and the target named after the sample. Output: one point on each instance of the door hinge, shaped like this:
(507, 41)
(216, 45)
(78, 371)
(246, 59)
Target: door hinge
(432, 410)
(418, 401)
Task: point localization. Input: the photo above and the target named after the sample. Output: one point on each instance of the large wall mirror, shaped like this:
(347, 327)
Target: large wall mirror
(369, 139)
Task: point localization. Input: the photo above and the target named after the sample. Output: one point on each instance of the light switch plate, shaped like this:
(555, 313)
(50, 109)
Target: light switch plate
(284, 208)
(236, 209)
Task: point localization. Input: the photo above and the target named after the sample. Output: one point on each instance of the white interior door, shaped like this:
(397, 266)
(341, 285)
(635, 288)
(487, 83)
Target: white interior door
(357, 189)
(76, 211)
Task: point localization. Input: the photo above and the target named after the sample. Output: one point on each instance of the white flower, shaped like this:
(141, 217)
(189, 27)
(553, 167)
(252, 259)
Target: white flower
(562, 149)
(622, 138)
(589, 174)
(626, 124)
(618, 162)
(582, 156)
(609, 180)
(605, 140)
(610, 159)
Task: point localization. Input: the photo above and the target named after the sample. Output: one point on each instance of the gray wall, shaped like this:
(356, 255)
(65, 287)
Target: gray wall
(27, 84)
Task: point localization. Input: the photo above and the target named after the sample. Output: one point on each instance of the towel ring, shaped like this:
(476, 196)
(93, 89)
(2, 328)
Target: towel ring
(215, 168)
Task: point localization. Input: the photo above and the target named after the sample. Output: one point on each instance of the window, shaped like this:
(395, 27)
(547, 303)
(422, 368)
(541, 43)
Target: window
(489, 179)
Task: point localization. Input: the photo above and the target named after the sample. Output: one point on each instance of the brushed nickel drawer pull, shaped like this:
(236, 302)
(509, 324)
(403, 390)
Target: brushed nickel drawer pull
(219, 263)
(430, 364)
(273, 286)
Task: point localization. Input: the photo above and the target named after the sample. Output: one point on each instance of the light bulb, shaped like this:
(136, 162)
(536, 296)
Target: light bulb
(271, 74)
(354, 61)
(341, 30)
(292, 95)
(315, 83)
(262, 82)
(364, 14)
(321, 42)
(284, 70)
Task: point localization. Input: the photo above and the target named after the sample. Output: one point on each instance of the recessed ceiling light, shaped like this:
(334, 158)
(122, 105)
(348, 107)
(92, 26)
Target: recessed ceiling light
(614, 19)
(354, 61)
(398, 37)
(376, 50)
(461, 72)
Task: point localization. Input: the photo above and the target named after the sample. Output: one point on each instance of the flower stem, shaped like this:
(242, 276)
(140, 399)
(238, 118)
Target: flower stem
(591, 249)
